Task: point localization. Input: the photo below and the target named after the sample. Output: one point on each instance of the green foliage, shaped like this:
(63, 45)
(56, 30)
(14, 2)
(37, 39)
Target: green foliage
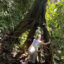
(55, 22)
(23, 38)
(12, 12)
(55, 18)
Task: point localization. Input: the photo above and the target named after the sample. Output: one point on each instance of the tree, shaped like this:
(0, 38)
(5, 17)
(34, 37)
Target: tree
(32, 19)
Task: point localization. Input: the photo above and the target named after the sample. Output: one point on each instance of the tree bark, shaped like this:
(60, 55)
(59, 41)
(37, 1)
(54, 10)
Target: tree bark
(46, 36)
(47, 48)
(37, 22)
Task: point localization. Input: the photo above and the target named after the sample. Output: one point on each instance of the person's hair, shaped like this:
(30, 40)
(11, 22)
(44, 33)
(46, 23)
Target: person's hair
(38, 36)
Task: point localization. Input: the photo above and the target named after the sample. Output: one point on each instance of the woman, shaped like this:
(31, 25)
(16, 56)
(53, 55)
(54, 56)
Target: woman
(33, 48)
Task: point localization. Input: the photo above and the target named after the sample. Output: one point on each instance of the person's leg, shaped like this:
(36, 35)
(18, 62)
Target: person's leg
(35, 57)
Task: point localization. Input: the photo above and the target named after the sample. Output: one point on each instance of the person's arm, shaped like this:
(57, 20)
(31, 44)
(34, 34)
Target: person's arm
(45, 43)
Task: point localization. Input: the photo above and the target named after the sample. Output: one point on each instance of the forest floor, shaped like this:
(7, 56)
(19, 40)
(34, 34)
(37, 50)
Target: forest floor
(25, 59)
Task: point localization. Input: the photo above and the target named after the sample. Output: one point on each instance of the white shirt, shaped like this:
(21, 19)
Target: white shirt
(34, 45)
(36, 42)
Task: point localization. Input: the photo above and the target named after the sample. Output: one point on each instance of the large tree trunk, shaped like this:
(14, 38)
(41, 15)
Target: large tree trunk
(37, 23)
(31, 16)
(47, 48)
(9, 40)
(27, 22)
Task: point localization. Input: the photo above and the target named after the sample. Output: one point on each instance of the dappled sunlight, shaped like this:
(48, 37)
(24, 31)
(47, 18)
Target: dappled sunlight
(21, 21)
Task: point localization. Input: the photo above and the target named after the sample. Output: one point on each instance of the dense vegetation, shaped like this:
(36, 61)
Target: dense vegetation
(12, 12)
(55, 22)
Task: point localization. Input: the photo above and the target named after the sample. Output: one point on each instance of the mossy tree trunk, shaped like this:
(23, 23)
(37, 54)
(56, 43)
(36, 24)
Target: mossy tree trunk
(46, 36)
(47, 49)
